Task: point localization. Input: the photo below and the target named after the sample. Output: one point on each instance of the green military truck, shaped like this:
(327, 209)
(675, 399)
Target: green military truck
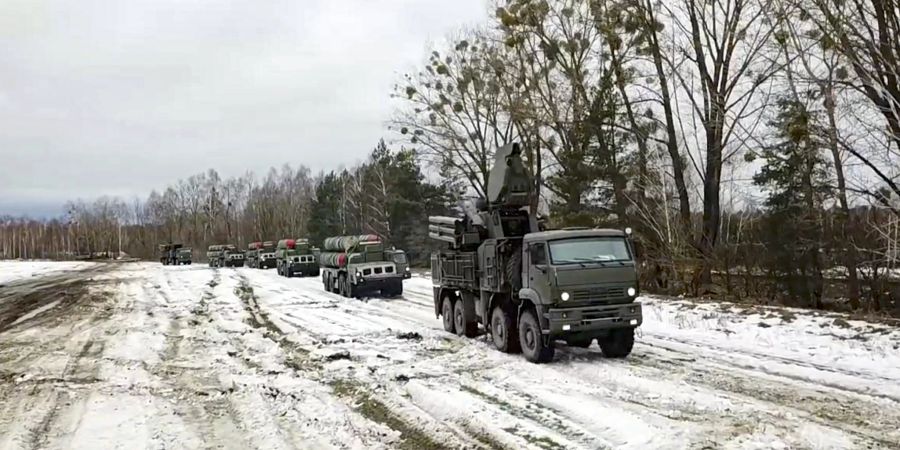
(295, 257)
(184, 256)
(168, 254)
(231, 257)
(261, 255)
(400, 260)
(214, 254)
(529, 288)
(356, 266)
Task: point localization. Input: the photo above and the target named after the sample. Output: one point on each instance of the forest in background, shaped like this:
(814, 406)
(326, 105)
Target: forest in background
(753, 145)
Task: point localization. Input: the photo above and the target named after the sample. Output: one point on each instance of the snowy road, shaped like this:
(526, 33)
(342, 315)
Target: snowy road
(146, 356)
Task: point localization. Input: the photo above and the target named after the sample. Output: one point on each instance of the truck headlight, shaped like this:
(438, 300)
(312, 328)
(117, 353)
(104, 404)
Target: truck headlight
(358, 274)
(565, 296)
(632, 292)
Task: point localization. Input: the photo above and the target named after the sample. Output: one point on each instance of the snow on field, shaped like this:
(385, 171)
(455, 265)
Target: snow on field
(192, 357)
(18, 270)
(698, 375)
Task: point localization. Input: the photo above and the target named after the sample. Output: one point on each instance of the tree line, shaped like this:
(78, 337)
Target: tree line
(754, 146)
(386, 195)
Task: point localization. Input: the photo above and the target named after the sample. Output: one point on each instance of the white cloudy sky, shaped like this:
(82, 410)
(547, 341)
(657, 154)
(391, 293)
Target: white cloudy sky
(105, 97)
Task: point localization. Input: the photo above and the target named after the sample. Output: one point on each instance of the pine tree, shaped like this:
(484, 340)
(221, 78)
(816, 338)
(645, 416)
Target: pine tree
(795, 177)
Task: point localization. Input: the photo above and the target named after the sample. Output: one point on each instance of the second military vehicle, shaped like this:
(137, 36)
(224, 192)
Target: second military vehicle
(355, 266)
(528, 287)
(400, 260)
(168, 254)
(296, 257)
(261, 255)
(214, 254)
(184, 255)
(231, 257)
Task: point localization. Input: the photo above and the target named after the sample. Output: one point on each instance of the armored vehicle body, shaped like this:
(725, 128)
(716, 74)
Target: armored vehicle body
(261, 255)
(356, 266)
(184, 256)
(295, 257)
(231, 257)
(214, 255)
(168, 254)
(527, 287)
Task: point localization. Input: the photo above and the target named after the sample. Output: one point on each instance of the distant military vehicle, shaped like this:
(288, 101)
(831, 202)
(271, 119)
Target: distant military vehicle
(355, 266)
(261, 255)
(214, 255)
(231, 257)
(295, 257)
(400, 260)
(528, 287)
(184, 256)
(168, 254)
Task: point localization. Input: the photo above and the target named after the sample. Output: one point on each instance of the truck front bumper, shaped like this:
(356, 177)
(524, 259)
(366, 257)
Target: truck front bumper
(267, 264)
(588, 319)
(377, 284)
(304, 270)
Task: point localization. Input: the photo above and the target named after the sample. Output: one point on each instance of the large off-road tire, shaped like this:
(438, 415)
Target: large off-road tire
(618, 344)
(514, 270)
(342, 286)
(447, 314)
(398, 290)
(533, 346)
(463, 322)
(287, 272)
(504, 332)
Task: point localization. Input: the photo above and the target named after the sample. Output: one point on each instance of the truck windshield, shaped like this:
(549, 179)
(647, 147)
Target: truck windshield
(400, 258)
(574, 251)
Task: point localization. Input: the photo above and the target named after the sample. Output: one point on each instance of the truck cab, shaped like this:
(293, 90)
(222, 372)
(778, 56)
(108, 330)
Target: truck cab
(231, 257)
(583, 283)
(400, 260)
(185, 256)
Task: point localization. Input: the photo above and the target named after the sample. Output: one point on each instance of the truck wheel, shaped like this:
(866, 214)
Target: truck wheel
(464, 324)
(618, 344)
(514, 270)
(288, 273)
(342, 286)
(531, 340)
(447, 314)
(503, 331)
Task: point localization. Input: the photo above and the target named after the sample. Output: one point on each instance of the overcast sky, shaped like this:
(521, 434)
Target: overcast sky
(102, 97)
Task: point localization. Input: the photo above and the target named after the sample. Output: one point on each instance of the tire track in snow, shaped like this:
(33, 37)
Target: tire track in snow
(369, 406)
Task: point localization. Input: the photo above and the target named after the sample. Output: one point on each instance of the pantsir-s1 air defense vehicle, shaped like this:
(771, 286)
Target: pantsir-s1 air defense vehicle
(528, 287)
(355, 266)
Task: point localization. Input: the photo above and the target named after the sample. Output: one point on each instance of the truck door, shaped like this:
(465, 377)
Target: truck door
(536, 270)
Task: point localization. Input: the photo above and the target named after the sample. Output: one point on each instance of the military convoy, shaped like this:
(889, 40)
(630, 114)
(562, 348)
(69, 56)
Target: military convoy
(356, 266)
(296, 257)
(528, 287)
(261, 255)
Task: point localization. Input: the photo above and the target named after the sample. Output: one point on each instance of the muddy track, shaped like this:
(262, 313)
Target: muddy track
(28, 301)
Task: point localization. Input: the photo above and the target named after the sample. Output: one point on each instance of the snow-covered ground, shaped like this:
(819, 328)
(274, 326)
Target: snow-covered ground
(18, 270)
(191, 357)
